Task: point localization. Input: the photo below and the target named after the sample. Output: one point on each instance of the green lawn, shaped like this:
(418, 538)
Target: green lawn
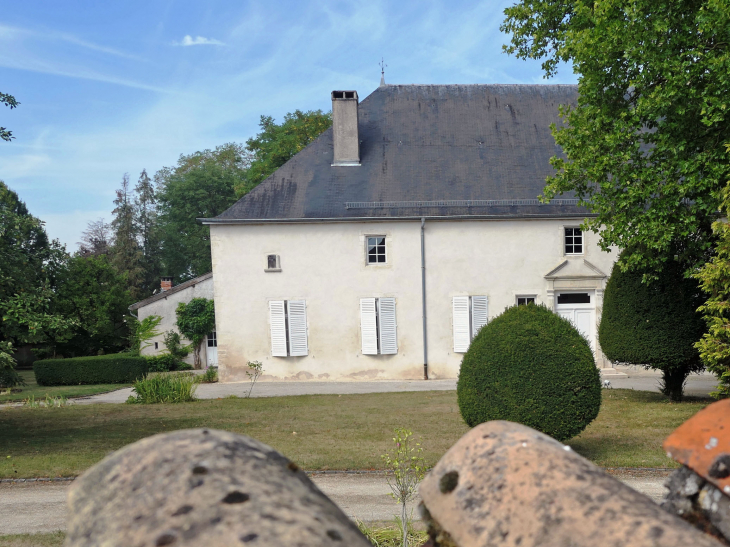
(40, 392)
(316, 431)
(49, 539)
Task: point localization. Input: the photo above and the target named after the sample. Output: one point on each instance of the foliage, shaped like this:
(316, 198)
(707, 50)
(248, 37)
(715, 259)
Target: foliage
(643, 145)
(532, 367)
(210, 376)
(714, 278)
(119, 368)
(406, 463)
(126, 254)
(9, 101)
(92, 294)
(96, 239)
(146, 225)
(390, 536)
(162, 363)
(195, 320)
(29, 265)
(164, 388)
(199, 186)
(9, 377)
(174, 347)
(278, 143)
(142, 332)
(653, 324)
(255, 369)
(48, 402)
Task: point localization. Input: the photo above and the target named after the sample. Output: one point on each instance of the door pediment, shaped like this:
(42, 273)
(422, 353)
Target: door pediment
(571, 269)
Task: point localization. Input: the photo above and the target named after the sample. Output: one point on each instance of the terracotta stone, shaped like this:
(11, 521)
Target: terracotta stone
(202, 487)
(505, 484)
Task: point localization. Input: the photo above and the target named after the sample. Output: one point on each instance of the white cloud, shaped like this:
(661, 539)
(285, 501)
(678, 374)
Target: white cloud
(198, 41)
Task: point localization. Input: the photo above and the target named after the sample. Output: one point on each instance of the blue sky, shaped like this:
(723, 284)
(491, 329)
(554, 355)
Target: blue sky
(108, 88)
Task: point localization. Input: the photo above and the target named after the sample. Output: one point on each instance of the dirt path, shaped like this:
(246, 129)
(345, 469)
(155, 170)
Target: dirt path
(41, 507)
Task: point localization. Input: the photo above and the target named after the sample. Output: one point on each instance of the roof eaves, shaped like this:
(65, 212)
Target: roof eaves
(165, 294)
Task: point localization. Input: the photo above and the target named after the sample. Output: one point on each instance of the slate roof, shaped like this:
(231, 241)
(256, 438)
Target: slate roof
(164, 294)
(464, 151)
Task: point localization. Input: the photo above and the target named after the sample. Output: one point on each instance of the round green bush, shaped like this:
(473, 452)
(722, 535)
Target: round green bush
(532, 367)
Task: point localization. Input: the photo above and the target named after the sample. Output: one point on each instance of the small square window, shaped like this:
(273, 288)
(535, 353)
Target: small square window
(524, 300)
(376, 250)
(573, 241)
(212, 340)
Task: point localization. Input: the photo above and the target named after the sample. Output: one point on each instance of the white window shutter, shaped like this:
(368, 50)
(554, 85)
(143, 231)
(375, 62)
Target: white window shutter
(368, 326)
(277, 320)
(460, 306)
(297, 319)
(479, 313)
(388, 327)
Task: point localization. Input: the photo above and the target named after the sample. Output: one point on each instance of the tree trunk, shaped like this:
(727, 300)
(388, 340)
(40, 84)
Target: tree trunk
(404, 523)
(672, 382)
(196, 357)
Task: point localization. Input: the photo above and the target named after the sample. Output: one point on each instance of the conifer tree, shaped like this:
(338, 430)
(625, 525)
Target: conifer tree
(145, 211)
(126, 255)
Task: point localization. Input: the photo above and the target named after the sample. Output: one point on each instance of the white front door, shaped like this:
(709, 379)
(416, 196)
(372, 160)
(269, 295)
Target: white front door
(211, 351)
(580, 309)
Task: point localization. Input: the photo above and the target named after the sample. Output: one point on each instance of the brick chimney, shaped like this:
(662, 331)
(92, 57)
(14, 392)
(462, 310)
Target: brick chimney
(165, 283)
(345, 134)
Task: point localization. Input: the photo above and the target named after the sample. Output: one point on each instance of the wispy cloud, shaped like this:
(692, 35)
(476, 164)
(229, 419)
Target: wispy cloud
(198, 41)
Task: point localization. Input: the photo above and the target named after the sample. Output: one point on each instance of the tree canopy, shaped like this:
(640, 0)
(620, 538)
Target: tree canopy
(643, 146)
(9, 101)
(278, 143)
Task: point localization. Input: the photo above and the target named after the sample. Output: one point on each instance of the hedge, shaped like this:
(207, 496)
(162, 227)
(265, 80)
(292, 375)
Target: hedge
(530, 366)
(118, 368)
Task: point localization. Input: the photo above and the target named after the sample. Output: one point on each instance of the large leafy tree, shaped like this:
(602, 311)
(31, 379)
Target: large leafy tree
(9, 101)
(29, 268)
(200, 186)
(92, 293)
(277, 143)
(643, 145)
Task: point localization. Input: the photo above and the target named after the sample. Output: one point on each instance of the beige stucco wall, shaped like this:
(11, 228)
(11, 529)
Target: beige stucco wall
(165, 308)
(324, 264)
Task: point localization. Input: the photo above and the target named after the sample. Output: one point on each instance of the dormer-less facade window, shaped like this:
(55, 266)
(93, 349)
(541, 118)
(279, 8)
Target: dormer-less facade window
(573, 241)
(376, 250)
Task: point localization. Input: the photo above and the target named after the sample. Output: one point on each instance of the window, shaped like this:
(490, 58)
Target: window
(156, 347)
(573, 241)
(212, 340)
(378, 326)
(288, 320)
(273, 264)
(470, 315)
(524, 300)
(376, 249)
(574, 298)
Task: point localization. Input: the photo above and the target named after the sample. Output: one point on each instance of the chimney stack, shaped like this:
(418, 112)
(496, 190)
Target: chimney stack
(345, 134)
(165, 283)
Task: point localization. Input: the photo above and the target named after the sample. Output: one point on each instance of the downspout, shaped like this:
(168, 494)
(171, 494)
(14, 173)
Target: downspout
(423, 298)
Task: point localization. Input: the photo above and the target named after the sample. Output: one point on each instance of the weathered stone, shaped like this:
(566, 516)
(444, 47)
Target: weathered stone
(202, 487)
(504, 484)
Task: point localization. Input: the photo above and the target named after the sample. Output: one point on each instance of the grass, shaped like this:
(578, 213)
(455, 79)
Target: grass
(316, 431)
(48, 539)
(40, 392)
